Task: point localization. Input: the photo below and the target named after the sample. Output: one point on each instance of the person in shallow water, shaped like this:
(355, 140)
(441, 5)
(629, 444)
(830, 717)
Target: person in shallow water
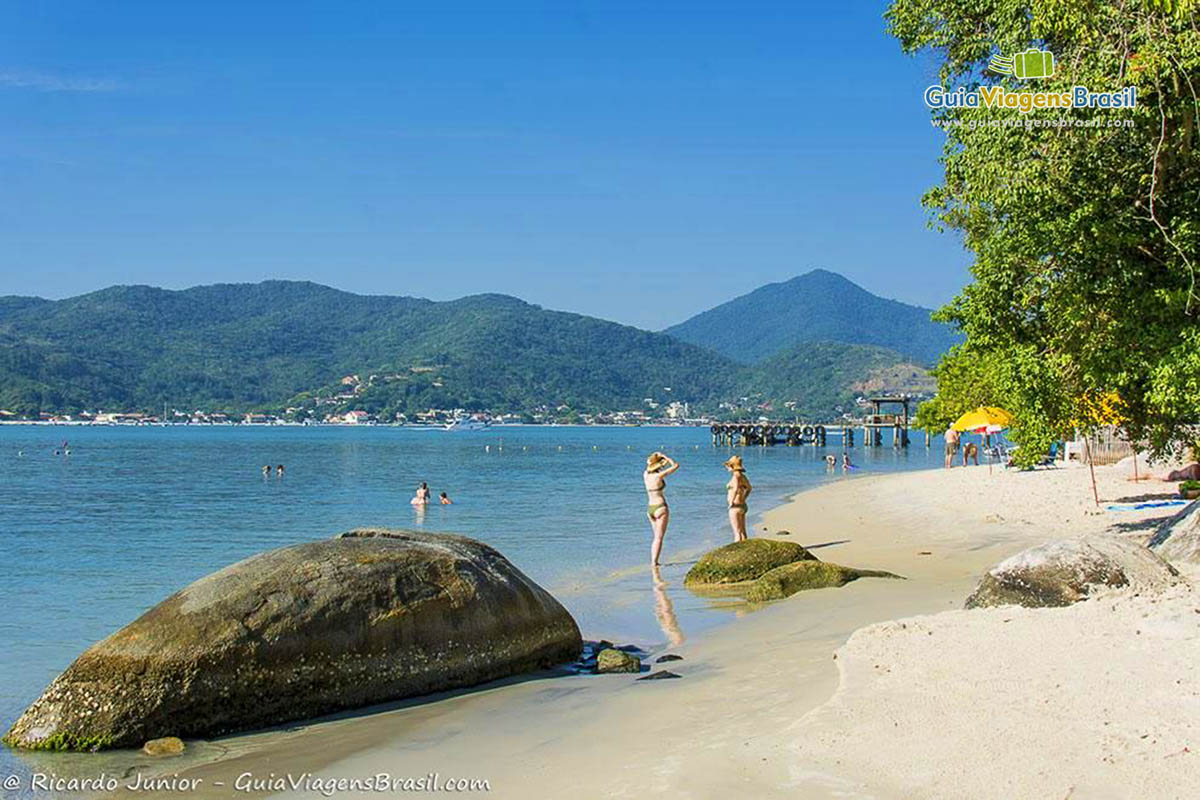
(658, 467)
(737, 491)
(422, 496)
(445, 500)
(279, 471)
(266, 470)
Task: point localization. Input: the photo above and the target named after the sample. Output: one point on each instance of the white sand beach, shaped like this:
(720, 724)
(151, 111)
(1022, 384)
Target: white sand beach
(820, 695)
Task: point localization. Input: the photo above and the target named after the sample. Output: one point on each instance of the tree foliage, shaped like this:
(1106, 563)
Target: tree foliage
(1085, 237)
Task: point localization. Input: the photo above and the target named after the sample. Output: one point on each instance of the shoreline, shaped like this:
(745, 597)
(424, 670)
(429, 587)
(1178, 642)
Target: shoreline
(551, 734)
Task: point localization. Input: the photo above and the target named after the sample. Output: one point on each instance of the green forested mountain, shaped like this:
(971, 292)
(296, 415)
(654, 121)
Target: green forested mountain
(821, 379)
(254, 346)
(241, 347)
(817, 306)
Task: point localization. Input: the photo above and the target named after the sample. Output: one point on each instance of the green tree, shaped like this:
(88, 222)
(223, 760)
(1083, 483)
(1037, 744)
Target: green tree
(1085, 237)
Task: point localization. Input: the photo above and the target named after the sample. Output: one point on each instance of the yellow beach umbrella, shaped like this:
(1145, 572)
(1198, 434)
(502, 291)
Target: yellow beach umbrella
(983, 418)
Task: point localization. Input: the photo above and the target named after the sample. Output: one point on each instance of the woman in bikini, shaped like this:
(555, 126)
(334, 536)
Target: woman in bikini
(658, 467)
(737, 490)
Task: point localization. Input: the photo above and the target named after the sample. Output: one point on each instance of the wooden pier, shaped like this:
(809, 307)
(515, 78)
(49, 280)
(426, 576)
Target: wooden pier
(794, 434)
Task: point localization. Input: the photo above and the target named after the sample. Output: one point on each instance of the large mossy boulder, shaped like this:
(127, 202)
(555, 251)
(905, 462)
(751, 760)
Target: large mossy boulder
(1178, 537)
(1063, 572)
(798, 576)
(367, 617)
(743, 561)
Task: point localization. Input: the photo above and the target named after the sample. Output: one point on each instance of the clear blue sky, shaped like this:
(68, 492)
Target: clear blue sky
(634, 161)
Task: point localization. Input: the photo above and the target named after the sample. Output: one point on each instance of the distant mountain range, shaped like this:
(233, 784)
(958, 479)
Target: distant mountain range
(240, 347)
(817, 306)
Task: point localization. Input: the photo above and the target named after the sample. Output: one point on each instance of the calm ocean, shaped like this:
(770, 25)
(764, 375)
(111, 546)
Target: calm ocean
(94, 538)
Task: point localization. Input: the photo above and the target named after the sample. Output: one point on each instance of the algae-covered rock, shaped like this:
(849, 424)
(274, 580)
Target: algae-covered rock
(367, 617)
(744, 561)
(166, 746)
(613, 660)
(1063, 572)
(785, 581)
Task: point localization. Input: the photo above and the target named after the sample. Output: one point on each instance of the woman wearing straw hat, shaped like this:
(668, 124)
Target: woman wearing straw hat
(658, 467)
(737, 491)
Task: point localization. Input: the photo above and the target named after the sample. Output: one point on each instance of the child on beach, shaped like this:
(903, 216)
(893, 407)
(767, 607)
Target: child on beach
(971, 451)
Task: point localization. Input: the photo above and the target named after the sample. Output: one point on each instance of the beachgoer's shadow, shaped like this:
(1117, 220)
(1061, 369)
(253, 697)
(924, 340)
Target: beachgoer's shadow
(664, 610)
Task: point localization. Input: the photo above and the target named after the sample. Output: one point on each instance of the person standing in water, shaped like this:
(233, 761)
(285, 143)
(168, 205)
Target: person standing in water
(951, 445)
(445, 500)
(658, 467)
(422, 496)
(737, 491)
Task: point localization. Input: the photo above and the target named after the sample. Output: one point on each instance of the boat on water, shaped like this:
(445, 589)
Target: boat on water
(475, 422)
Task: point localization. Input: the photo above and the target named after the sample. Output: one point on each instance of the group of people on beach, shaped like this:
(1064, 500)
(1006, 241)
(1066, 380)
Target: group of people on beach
(423, 495)
(659, 466)
(970, 451)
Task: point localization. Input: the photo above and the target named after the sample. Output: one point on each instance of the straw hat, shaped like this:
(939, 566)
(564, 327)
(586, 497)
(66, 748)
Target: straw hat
(735, 463)
(654, 461)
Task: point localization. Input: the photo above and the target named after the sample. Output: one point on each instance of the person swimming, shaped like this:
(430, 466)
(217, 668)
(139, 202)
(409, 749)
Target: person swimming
(737, 491)
(279, 471)
(422, 496)
(445, 500)
(266, 470)
(658, 467)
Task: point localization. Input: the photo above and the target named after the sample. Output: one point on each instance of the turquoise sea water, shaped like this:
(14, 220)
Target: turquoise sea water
(94, 538)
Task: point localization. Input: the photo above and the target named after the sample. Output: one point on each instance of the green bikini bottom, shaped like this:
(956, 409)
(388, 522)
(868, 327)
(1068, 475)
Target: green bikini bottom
(653, 509)
(737, 506)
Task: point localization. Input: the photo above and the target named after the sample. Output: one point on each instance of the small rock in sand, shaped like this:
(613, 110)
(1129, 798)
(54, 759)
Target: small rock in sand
(668, 657)
(661, 675)
(612, 660)
(166, 746)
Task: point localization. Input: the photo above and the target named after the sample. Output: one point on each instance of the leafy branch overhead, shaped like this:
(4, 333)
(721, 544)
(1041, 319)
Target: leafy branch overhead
(1085, 237)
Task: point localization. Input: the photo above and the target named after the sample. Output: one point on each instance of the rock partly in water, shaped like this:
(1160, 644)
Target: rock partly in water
(613, 660)
(1178, 537)
(743, 561)
(166, 746)
(785, 581)
(661, 675)
(668, 657)
(1066, 571)
(368, 617)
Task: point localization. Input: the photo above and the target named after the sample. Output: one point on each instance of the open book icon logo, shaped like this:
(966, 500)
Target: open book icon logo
(1030, 64)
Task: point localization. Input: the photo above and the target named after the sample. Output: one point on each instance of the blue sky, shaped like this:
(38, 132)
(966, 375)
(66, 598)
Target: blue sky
(634, 161)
